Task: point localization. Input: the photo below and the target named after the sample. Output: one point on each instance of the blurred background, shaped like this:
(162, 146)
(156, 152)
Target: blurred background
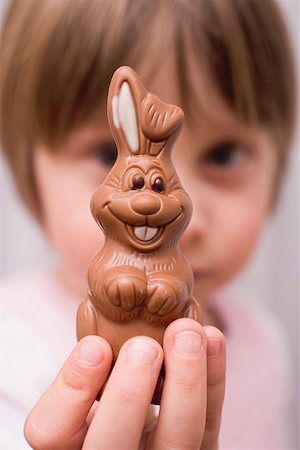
(271, 279)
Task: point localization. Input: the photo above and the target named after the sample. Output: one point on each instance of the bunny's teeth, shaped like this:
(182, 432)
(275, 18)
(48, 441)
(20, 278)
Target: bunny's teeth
(145, 233)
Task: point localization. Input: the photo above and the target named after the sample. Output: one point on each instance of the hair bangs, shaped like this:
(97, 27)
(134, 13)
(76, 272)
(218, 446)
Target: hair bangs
(74, 65)
(246, 50)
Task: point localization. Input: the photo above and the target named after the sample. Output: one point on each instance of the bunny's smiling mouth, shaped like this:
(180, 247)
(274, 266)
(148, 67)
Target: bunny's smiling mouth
(145, 236)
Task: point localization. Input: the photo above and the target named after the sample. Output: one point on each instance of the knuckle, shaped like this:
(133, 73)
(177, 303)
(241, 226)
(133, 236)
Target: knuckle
(188, 382)
(216, 379)
(212, 422)
(72, 379)
(74, 387)
(179, 444)
(129, 393)
(76, 377)
(190, 378)
(77, 391)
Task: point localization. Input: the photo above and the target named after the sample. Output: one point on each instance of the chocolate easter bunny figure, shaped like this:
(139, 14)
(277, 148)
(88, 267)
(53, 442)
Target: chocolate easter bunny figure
(139, 282)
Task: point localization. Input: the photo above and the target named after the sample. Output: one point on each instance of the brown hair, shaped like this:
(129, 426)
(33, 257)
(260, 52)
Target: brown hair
(57, 58)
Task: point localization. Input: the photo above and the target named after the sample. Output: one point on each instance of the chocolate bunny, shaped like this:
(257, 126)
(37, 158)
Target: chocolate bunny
(139, 282)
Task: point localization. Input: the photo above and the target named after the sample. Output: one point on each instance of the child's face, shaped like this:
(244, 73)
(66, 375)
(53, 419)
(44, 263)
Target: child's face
(226, 167)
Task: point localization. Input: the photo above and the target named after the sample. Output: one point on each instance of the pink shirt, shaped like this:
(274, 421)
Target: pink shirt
(38, 333)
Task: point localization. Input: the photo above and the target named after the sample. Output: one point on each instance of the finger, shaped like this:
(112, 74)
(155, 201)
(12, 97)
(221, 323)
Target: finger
(150, 424)
(183, 404)
(120, 417)
(58, 420)
(216, 362)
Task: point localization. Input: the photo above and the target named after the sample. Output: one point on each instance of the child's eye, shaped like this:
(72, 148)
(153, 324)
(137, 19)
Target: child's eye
(225, 155)
(106, 154)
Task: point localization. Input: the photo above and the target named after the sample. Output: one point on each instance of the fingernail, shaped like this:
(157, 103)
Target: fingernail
(142, 351)
(90, 353)
(213, 347)
(188, 343)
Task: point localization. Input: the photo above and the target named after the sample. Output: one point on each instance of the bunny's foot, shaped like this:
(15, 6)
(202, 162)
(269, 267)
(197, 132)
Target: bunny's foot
(86, 319)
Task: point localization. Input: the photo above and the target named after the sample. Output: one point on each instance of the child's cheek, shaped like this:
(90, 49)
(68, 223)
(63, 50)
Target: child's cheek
(75, 237)
(67, 221)
(241, 239)
(76, 246)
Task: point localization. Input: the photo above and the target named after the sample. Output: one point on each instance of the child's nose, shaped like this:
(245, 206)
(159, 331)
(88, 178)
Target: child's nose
(145, 204)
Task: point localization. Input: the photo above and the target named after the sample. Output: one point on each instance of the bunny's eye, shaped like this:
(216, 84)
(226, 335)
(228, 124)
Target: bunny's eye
(138, 182)
(158, 185)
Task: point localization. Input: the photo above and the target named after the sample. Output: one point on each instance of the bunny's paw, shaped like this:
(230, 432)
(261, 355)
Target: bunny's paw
(164, 297)
(126, 290)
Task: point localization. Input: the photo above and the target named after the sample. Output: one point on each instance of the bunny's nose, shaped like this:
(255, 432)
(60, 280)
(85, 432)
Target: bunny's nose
(145, 204)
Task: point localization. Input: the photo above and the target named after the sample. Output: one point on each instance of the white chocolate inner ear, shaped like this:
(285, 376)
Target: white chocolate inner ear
(126, 117)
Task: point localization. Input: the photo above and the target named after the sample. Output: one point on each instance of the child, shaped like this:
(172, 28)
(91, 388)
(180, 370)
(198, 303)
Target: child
(228, 64)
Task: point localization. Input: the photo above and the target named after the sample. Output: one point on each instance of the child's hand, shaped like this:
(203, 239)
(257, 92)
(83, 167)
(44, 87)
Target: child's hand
(66, 416)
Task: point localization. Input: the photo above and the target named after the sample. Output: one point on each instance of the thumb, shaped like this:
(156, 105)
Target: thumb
(58, 420)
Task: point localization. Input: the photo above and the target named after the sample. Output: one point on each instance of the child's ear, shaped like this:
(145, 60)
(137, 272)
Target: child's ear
(124, 95)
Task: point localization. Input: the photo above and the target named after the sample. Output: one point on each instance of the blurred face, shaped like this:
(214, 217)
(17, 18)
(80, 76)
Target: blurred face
(226, 167)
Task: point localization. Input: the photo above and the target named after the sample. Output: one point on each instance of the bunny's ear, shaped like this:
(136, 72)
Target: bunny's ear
(125, 93)
(139, 121)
